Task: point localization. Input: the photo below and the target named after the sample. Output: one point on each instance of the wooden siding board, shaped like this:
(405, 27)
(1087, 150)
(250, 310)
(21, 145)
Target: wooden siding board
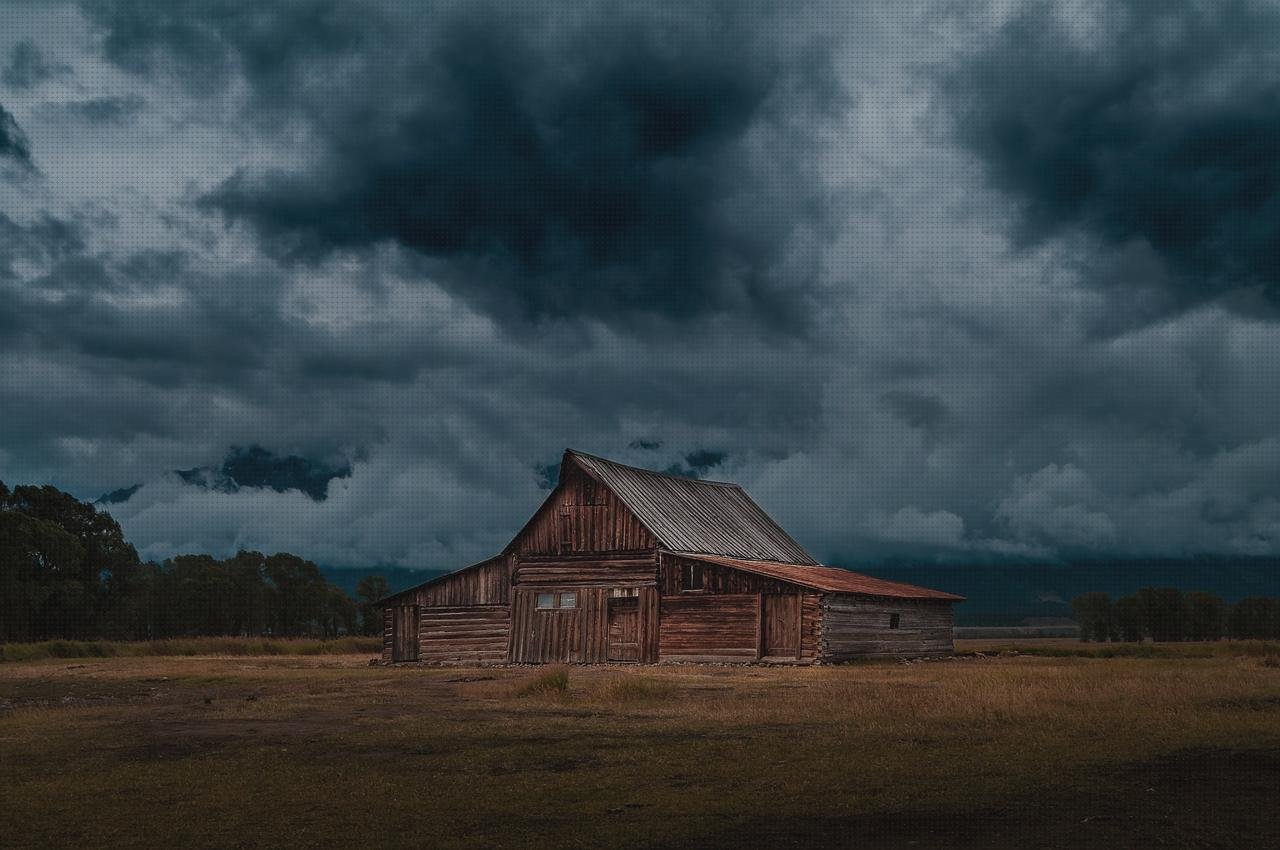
(854, 627)
(597, 520)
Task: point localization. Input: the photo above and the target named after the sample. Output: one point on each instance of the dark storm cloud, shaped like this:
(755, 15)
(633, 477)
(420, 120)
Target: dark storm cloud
(27, 67)
(104, 110)
(13, 142)
(594, 158)
(1156, 123)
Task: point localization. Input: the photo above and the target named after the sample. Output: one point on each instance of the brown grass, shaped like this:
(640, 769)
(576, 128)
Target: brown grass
(328, 751)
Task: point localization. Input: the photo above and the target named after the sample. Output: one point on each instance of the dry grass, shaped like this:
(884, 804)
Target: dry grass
(187, 647)
(311, 751)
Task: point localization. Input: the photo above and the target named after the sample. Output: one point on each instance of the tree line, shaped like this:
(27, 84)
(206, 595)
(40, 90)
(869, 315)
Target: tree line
(66, 571)
(1168, 614)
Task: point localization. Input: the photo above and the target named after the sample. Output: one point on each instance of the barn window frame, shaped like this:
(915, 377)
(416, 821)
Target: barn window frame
(693, 578)
(566, 600)
(895, 620)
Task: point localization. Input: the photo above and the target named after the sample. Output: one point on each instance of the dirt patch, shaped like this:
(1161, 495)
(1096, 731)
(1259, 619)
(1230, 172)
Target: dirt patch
(1195, 798)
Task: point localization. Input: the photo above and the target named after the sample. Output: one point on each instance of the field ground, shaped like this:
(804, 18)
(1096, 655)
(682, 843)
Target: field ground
(1176, 750)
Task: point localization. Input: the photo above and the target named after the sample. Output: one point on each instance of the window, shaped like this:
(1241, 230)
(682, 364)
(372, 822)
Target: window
(552, 601)
(566, 535)
(691, 577)
(623, 592)
(893, 620)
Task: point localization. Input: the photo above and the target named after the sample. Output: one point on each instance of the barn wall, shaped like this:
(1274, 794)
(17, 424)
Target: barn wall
(587, 570)
(387, 614)
(575, 635)
(486, 583)
(858, 626)
(473, 634)
(706, 627)
(717, 578)
(582, 516)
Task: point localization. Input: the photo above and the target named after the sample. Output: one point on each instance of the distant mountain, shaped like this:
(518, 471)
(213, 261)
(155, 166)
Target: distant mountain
(253, 467)
(1009, 595)
(398, 578)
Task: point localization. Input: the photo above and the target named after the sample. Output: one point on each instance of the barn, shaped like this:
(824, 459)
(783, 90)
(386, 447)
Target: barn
(621, 564)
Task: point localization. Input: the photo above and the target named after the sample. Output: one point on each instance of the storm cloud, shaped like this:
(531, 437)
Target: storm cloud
(1142, 123)
(977, 282)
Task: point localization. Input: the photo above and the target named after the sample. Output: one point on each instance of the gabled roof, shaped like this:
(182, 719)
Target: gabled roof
(830, 579)
(689, 515)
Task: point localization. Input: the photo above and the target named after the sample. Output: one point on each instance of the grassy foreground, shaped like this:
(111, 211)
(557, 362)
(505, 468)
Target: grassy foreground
(188, 646)
(322, 751)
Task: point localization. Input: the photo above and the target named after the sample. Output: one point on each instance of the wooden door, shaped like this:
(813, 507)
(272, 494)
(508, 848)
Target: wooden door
(404, 633)
(624, 628)
(780, 625)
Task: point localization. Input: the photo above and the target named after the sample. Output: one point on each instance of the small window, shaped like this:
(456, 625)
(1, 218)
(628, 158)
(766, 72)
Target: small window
(546, 600)
(623, 592)
(893, 620)
(691, 577)
(566, 535)
(568, 600)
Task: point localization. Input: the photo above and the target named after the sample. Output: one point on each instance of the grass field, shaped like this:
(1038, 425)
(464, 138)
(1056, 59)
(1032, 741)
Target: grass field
(1022, 750)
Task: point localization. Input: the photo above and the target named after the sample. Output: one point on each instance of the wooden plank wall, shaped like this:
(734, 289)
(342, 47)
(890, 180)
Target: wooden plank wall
(858, 626)
(587, 570)
(486, 583)
(717, 578)
(597, 522)
(388, 613)
(473, 634)
(574, 635)
(706, 627)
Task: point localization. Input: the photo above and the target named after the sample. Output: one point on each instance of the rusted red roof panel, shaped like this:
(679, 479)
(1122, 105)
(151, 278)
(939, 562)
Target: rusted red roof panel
(830, 579)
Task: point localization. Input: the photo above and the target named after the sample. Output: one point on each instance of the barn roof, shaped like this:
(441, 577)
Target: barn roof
(690, 515)
(830, 579)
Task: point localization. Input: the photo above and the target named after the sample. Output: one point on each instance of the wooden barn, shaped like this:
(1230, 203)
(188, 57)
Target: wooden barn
(621, 564)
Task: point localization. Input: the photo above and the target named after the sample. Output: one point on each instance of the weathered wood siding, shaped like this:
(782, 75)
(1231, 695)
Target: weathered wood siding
(468, 634)
(587, 570)
(486, 583)
(725, 620)
(707, 627)
(717, 578)
(858, 626)
(577, 635)
(582, 516)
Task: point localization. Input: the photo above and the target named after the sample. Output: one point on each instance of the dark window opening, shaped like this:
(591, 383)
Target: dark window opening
(893, 620)
(566, 540)
(554, 601)
(691, 577)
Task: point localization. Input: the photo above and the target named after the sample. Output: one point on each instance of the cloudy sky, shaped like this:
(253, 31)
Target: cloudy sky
(949, 281)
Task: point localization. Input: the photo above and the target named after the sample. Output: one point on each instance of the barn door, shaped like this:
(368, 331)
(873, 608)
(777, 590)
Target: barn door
(780, 625)
(624, 628)
(404, 633)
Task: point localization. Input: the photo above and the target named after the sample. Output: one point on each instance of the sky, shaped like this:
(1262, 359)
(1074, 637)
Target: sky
(943, 282)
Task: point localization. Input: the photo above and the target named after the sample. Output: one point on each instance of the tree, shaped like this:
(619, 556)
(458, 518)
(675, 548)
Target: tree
(1252, 618)
(1164, 612)
(370, 590)
(1206, 615)
(1129, 619)
(1093, 611)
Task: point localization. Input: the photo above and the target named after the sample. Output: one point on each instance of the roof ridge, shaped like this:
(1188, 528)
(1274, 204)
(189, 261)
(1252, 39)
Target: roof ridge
(654, 472)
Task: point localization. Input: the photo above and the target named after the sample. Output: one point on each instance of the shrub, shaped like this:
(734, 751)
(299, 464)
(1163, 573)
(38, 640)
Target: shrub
(554, 681)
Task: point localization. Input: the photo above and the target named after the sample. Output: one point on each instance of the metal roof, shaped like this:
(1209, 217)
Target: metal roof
(690, 515)
(830, 579)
